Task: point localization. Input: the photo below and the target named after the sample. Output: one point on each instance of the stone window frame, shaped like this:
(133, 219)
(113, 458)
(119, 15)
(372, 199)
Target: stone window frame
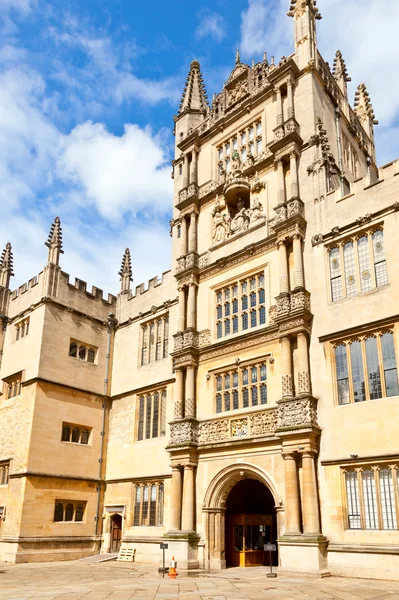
(147, 510)
(226, 314)
(371, 495)
(151, 414)
(13, 385)
(79, 432)
(347, 276)
(78, 508)
(22, 329)
(154, 340)
(353, 365)
(224, 397)
(83, 351)
(254, 144)
(350, 157)
(2, 514)
(5, 466)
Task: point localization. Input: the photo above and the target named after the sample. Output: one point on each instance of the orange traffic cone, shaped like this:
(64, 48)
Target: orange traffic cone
(172, 569)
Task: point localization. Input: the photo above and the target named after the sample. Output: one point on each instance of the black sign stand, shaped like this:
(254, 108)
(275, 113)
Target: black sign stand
(163, 569)
(270, 548)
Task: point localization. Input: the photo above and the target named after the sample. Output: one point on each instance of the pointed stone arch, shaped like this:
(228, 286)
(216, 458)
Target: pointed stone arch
(214, 506)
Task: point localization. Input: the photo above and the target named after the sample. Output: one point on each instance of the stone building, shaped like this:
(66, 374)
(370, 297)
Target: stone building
(250, 395)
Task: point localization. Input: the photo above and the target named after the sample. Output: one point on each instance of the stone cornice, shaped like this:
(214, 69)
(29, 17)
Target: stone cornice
(66, 386)
(145, 479)
(359, 460)
(144, 389)
(47, 300)
(55, 476)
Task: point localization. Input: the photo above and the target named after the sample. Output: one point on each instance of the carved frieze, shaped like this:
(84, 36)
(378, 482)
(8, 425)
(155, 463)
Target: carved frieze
(214, 431)
(184, 340)
(297, 413)
(204, 338)
(255, 424)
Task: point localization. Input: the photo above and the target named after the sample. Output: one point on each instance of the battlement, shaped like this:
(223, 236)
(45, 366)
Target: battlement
(157, 291)
(81, 286)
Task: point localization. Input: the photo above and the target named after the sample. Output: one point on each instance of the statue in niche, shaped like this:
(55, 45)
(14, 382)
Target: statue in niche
(240, 222)
(256, 211)
(235, 161)
(221, 223)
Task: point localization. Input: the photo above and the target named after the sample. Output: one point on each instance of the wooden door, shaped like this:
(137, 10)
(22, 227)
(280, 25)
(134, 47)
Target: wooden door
(116, 533)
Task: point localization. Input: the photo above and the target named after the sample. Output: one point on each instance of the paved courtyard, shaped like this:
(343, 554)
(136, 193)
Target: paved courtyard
(121, 581)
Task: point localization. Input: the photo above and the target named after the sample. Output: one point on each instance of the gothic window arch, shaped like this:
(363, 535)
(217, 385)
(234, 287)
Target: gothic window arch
(241, 305)
(357, 264)
(154, 340)
(372, 493)
(149, 504)
(366, 367)
(240, 387)
(151, 414)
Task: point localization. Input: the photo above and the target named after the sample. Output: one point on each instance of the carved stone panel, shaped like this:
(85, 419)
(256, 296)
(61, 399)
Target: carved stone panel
(183, 432)
(239, 428)
(214, 431)
(264, 423)
(296, 413)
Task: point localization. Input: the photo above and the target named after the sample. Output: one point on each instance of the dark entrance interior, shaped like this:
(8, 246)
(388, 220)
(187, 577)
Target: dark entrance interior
(250, 523)
(116, 532)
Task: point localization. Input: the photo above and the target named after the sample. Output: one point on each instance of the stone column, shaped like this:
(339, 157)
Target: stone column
(290, 99)
(192, 309)
(183, 247)
(310, 507)
(189, 403)
(303, 365)
(193, 175)
(181, 319)
(280, 114)
(298, 262)
(280, 183)
(294, 175)
(178, 395)
(188, 499)
(292, 507)
(186, 174)
(192, 240)
(283, 267)
(286, 368)
(175, 500)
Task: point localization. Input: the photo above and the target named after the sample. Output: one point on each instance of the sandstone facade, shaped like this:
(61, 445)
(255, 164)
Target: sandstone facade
(251, 394)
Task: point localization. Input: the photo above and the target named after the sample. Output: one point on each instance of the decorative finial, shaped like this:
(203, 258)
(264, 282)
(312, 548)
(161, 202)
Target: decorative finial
(54, 242)
(126, 273)
(253, 63)
(340, 73)
(238, 60)
(364, 109)
(6, 266)
(265, 57)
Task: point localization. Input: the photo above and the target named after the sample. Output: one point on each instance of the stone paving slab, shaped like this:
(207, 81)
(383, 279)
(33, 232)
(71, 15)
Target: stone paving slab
(118, 581)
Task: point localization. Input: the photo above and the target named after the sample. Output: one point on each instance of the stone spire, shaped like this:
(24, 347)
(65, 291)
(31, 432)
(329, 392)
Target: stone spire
(6, 266)
(54, 242)
(364, 110)
(340, 73)
(305, 13)
(126, 273)
(194, 98)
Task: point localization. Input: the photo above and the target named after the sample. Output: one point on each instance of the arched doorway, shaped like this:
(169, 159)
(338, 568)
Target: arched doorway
(116, 532)
(215, 508)
(250, 522)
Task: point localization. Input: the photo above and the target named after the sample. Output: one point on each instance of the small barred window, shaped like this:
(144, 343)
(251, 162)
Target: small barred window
(82, 351)
(67, 511)
(75, 434)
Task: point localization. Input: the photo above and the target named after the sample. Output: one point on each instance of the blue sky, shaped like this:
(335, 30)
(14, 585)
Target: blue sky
(88, 90)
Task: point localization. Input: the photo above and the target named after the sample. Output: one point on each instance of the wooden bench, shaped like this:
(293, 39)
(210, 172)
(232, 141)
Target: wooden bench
(127, 554)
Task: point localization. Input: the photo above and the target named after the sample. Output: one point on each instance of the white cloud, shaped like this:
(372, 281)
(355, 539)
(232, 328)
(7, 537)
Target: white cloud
(22, 6)
(212, 25)
(368, 42)
(118, 173)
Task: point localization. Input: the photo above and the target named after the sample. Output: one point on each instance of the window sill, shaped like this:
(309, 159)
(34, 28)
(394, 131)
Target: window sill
(151, 439)
(359, 295)
(240, 411)
(232, 336)
(76, 444)
(153, 362)
(367, 402)
(83, 362)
